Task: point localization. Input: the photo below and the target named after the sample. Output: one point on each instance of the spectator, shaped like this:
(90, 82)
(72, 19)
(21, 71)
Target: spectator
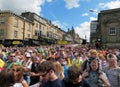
(58, 70)
(12, 59)
(113, 71)
(95, 77)
(7, 78)
(18, 74)
(2, 64)
(27, 66)
(77, 60)
(34, 75)
(75, 78)
(49, 78)
(93, 55)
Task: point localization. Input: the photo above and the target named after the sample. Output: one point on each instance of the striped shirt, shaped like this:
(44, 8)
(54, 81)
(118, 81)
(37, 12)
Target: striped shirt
(113, 77)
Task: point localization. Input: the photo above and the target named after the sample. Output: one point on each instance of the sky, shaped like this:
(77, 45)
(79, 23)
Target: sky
(63, 13)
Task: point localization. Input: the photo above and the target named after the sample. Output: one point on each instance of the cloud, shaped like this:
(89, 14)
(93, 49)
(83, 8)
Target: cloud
(49, 0)
(92, 18)
(57, 23)
(62, 25)
(72, 4)
(19, 6)
(86, 0)
(110, 5)
(85, 14)
(84, 29)
(113, 4)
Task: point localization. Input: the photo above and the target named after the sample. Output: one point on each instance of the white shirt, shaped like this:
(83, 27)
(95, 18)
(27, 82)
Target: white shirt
(17, 85)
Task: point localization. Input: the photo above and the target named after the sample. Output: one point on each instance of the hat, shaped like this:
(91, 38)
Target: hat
(28, 55)
(40, 50)
(16, 63)
(93, 51)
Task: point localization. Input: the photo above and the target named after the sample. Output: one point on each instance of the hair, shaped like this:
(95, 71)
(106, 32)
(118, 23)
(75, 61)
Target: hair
(96, 61)
(93, 51)
(34, 57)
(11, 53)
(45, 66)
(58, 68)
(19, 74)
(7, 78)
(41, 55)
(74, 72)
(111, 56)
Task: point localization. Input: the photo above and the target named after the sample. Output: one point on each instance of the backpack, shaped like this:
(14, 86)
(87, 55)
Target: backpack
(84, 65)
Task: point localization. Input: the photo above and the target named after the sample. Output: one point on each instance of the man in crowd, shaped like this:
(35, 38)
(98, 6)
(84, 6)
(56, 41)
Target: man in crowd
(75, 78)
(49, 78)
(112, 70)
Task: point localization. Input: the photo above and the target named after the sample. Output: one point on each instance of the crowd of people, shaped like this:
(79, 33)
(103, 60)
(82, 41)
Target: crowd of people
(59, 66)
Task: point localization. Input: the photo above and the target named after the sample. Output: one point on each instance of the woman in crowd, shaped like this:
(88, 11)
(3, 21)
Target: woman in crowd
(18, 74)
(95, 76)
(59, 70)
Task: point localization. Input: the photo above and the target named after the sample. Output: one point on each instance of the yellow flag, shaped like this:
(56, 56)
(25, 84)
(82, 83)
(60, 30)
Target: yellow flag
(2, 63)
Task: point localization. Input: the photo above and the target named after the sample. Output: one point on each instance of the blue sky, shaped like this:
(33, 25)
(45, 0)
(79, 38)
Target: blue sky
(63, 13)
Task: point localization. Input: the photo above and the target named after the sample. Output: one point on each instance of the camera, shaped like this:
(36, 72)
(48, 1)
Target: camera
(100, 83)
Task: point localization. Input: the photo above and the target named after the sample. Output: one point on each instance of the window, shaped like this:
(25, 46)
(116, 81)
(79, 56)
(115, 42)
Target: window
(36, 33)
(1, 32)
(2, 20)
(15, 34)
(36, 25)
(112, 31)
(43, 29)
(28, 35)
(36, 17)
(40, 33)
(47, 34)
(40, 26)
(16, 22)
(29, 27)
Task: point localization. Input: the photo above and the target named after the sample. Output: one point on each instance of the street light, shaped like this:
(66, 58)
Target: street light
(98, 38)
(95, 11)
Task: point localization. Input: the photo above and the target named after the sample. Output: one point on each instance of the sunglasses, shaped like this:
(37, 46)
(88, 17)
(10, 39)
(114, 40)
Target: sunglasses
(12, 56)
(16, 70)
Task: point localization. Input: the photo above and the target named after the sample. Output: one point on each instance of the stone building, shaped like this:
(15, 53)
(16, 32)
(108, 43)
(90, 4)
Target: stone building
(108, 30)
(93, 27)
(28, 29)
(14, 29)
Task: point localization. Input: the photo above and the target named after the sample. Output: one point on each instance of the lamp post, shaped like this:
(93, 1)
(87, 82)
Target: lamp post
(98, 34)
(95, 11)
(85, 39)
(24, 30)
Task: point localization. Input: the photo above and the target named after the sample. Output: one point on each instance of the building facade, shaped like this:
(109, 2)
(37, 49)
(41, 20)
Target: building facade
(14, 28)
(28, 28)
(108, 30)
(93, 35)
(44, 28)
